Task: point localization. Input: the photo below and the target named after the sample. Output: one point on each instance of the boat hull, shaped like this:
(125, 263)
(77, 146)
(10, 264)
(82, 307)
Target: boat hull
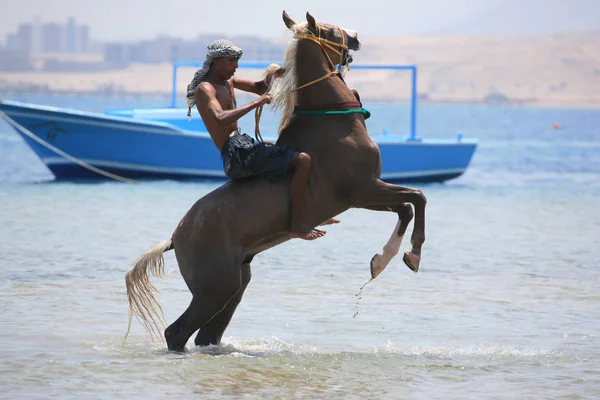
(148, 148)
(74, 172)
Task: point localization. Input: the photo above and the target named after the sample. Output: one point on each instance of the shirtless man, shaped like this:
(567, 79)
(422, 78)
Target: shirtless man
(212, 91)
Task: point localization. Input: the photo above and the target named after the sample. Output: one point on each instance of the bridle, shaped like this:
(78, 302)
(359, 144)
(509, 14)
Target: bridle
(345, 57)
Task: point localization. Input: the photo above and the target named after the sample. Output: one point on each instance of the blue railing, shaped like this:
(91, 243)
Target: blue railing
(264, 65)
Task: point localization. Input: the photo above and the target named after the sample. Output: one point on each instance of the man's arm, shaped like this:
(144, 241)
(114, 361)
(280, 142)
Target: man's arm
(257, 87)
(206, 99)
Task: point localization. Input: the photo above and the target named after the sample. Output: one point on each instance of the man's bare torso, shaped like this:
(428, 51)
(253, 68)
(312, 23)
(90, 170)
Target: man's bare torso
(225, 95)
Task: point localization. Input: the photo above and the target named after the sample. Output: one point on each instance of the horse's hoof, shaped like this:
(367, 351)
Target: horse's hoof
(377, 266)
(412, 261)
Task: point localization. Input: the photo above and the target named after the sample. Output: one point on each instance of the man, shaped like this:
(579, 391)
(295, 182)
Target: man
(212, 91)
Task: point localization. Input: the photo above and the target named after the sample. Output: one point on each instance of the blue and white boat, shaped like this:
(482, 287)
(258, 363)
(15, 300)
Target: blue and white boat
(163, 143)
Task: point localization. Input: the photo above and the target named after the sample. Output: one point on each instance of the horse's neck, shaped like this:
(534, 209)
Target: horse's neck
(312, 65)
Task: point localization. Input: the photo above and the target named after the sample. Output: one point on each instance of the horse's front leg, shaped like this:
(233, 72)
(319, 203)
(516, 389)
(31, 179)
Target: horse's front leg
(383, 196)
(405, 214)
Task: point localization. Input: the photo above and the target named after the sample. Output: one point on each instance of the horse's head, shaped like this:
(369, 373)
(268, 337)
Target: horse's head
(304, 62)
(335, 41)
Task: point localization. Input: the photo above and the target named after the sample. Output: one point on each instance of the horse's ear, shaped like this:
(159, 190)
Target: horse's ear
(289, 22)
(312, 24)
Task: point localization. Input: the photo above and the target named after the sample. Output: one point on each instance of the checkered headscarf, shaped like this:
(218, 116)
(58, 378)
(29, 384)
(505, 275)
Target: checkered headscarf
(220, 48)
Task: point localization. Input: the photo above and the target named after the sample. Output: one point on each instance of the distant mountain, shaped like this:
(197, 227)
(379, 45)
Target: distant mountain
(559, 69)
(529, 17)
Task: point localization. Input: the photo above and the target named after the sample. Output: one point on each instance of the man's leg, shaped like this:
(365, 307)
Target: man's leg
(301, 167)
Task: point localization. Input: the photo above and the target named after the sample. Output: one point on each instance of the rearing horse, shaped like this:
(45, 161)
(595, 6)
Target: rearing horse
(219, 236)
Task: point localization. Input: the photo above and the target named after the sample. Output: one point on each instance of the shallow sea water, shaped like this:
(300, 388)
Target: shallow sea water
(506, 304)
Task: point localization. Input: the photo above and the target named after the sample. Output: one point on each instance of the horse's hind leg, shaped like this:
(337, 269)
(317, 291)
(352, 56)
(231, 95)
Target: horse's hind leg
(212, 332)
(394, 197)
(212, 285)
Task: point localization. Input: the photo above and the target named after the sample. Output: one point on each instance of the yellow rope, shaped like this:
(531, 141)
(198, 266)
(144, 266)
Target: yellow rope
(325, 43)
(257, 115)
(316, 80)
(61, 153)
(322, 43)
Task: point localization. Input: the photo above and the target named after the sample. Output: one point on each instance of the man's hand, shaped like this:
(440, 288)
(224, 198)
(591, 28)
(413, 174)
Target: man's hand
(264, 99)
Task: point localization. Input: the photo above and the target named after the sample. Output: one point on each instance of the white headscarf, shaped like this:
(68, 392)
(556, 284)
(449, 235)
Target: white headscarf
(220, 48)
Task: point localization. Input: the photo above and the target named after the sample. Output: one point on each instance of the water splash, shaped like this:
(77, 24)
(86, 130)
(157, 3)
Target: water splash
(359, 298)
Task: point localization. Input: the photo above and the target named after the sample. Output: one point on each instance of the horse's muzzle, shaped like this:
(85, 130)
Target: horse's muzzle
(348, 58)
(353, 42)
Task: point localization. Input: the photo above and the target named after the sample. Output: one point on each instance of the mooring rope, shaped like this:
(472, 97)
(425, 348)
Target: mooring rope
(61, 153)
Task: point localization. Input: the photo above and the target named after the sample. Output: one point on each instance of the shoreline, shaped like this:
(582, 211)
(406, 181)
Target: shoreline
(166, 95)
(559, 71)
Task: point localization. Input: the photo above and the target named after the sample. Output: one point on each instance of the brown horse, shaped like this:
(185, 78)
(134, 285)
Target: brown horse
(219, 236)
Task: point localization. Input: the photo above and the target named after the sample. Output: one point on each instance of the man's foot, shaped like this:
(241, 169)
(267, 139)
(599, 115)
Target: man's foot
(311, 235)
(330, 221)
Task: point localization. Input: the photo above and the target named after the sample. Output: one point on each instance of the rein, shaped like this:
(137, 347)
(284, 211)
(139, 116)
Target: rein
(257, 115)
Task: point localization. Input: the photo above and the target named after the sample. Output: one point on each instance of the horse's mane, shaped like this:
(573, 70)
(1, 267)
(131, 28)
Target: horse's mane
(283, 87)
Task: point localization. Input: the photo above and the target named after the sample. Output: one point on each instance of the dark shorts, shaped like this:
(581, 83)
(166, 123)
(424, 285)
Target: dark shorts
(243, 157)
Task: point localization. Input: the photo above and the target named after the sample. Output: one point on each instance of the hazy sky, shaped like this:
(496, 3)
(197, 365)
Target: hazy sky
(141, 19)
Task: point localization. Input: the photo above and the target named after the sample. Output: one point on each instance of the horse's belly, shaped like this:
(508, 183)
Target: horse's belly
(238, 212)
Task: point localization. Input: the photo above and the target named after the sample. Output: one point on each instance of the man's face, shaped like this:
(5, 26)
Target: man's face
(227, 67)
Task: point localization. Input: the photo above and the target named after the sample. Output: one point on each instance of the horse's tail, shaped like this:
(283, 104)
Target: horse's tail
(140, 291)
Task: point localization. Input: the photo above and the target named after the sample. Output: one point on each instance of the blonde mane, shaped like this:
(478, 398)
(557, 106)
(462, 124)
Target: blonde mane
(282, 88)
